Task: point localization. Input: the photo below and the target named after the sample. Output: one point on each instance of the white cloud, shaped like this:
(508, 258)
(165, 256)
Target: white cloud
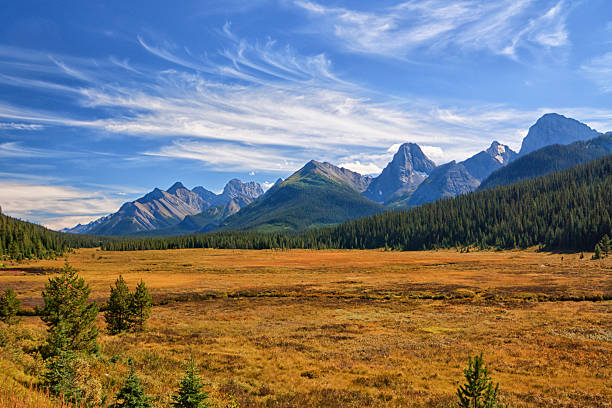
(266, 185)
(501, 27)
(20, 126)
(61, 205)
(362, 168)
(435, 153)
(264, 107)
(14, 149)
(599, 70)
(225, 156)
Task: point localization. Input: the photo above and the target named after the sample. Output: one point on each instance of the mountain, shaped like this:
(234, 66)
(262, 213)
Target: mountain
(243, 193)
(566, 210)
(205, 221)
(449, 180)
(486, 162)
(553, 128)
(453, 178)
(403, 174)
(316, 195)
(550, 159)
(161, 209)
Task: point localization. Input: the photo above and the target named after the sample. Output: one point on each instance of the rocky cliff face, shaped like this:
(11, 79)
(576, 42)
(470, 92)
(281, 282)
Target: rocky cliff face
(161, 209)
(553, 128)
(445, 181)
(409, 167)
(486, 162)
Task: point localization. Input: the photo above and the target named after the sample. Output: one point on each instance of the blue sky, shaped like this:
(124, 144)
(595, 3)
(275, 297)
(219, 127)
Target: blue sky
(101, 102)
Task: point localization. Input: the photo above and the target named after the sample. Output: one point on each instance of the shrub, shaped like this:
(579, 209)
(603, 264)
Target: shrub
(9, 307)
(478, 391)
(190, 394)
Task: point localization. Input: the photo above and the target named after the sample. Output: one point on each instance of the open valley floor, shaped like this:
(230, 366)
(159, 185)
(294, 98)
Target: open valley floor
(343, 328)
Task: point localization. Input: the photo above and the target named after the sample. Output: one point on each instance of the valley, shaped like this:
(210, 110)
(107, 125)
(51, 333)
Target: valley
(346, 328)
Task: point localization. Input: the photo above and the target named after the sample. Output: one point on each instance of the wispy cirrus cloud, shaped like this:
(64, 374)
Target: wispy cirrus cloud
(599, 70)
(20, 126)
(264, 107)
(63, 205)
(505, 27)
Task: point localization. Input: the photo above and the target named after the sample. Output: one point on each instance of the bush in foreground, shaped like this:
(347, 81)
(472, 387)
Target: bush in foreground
(478, 391)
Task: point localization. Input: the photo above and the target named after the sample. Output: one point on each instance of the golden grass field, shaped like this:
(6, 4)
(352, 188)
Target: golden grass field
(346, 328)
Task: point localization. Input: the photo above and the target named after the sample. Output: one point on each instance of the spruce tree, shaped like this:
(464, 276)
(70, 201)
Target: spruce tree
(190, 394)
(60, 375)
(604, 245)
(132, 394)
(9, 307)
(117, 314)
(478, 391)
(70, 318)
(597, 253)
(140, 306)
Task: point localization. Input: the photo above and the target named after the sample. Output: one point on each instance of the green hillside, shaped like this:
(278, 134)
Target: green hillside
(312, 197)
(24, 240)
(566, 210)
(549, 159)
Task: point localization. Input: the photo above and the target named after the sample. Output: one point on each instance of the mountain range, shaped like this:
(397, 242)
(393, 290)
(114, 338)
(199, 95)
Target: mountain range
(321, 194)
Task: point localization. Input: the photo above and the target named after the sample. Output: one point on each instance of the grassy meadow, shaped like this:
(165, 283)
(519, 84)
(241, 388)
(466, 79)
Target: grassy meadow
(340, 328)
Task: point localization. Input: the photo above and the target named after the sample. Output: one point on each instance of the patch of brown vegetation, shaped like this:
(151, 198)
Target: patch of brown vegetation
(358, 328)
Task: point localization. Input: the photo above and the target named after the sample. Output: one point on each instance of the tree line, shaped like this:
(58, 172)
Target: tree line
(566, 210)
(21, 240)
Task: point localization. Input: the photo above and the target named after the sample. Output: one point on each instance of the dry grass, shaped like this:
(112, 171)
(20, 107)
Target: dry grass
(355, 328)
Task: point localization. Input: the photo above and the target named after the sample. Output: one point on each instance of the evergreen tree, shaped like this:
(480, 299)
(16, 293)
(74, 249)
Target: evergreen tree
(140, 306)
(604, 245)
(478, 391)
(117, 314)
(9, 307)
(597, 253)
(70, 318)
(60, 375)
(190, 394)
(132, 394)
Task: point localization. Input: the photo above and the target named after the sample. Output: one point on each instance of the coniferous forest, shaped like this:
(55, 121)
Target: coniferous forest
(567, 210)
(23, 240)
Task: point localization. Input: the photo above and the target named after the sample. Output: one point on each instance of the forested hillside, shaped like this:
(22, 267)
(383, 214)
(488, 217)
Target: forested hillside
(567, 210)
(549, 159)
(23, 240)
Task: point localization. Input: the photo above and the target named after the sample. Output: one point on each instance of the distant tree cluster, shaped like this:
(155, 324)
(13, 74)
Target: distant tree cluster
(21, 240)
(567, 210)
(602, 248)
(9, 307)
(126, 310)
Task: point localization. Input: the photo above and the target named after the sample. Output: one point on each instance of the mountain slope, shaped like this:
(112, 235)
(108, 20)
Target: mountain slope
(486, 162)
(553, 128)
(550, 159)
(317, 194)
(543, 211)
(161, 209)
(446, 181)
(408, 168)
(453, 178)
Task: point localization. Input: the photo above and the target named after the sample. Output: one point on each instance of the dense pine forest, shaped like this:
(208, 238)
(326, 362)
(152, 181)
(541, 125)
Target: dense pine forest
(567, 210)
(23, 240)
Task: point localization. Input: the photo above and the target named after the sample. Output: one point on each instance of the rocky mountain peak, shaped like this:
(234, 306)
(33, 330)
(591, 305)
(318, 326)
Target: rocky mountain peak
(502, 153)
(236, 188)
(553, 128)
(176, 186)
(409, 167)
